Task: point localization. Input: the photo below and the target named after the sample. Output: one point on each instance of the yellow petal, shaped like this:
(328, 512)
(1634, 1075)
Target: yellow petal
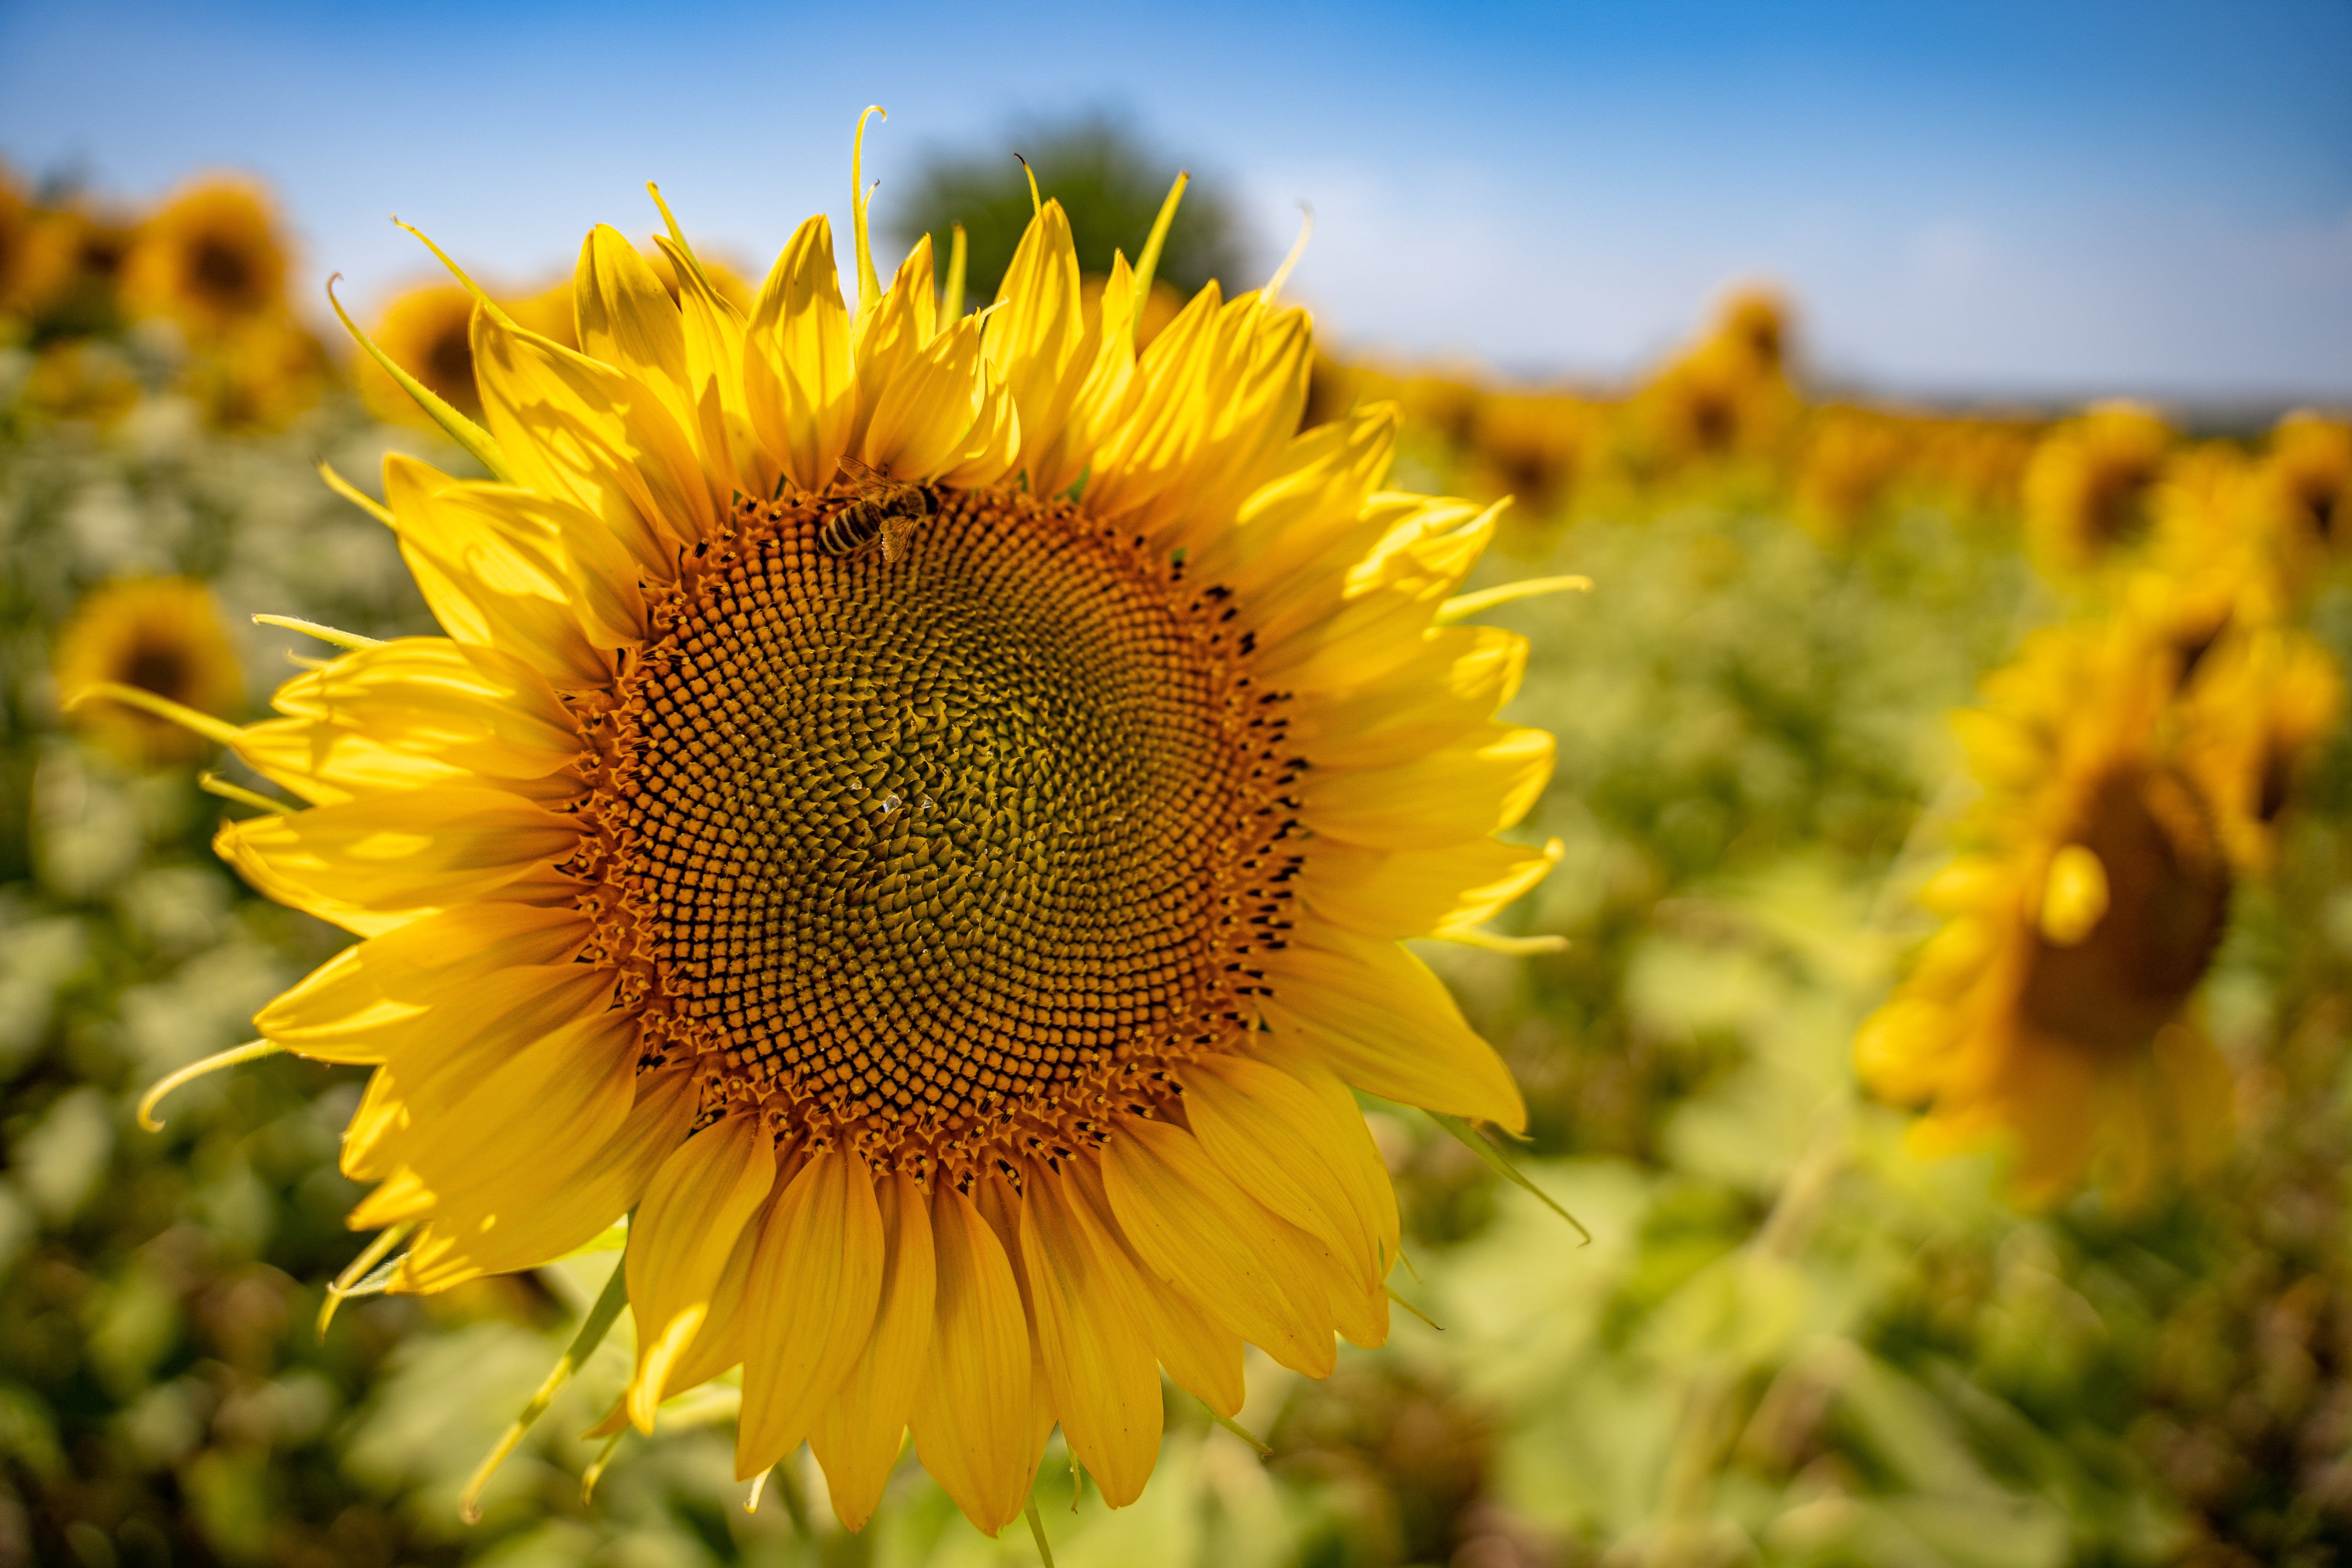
(815, 1283)
(1280, 1145)
(970, 1415)
(1196, 1349)
(593, 436)
(375, 998)
(564, 1093)
(1195, 1228)
(693, 1211)
(420, 850)
(1314, 497)
(625, 317)
(1475, 786)
(1398, 893)
(857, 1436)
(1376, 1015)
(1096, 1347)
(1452, 684)
(432, 1067)
(1037, 344)
(797, 370)
(548, 1213)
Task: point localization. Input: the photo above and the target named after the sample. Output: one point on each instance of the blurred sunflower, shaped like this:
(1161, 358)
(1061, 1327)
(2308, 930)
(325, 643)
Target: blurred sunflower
(2255, 716)
(2054, 1004)
(157, 635)
(18, 256)
(2305, 480)
(947, 909)
(1849, 460)
(74, 267)
(258, 374)
(1728, 397)
(2088, 485)
(208, 259)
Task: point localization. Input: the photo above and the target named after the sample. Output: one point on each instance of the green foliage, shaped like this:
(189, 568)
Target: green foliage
(1107, 179)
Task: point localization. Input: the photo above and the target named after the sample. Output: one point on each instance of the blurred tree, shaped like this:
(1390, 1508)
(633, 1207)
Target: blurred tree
(1109, 180)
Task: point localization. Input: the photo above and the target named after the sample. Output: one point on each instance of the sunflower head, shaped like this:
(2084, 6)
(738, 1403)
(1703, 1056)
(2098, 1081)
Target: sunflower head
(1531, 447)
(2089, 485)
(157, 635)
(2304, 482)
(1727, 396)
(921, 810)
(1848, 460)
(210, 256)
(2052, 1008)
(2254, 721)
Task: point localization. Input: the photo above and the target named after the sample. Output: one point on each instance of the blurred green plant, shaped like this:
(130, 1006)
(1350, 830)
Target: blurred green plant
(1111, 183)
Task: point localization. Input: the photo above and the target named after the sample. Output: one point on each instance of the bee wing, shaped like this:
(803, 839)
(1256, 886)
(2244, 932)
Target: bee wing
(860, 472)
(895, 530)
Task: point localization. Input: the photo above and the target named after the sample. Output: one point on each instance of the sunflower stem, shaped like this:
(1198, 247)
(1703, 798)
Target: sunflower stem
(1037, 1530)
(592, 1328)
(252, 1050)
(1237, 1429)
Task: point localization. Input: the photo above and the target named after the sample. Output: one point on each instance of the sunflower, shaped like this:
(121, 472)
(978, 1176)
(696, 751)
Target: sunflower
(20, 271)
(920, 812)
(1728, 397)
(2259, 706)
(2305, 484)
(2088, 485)
(208, 259)
(2054, 1005)
(156, 634)
(1849, 461)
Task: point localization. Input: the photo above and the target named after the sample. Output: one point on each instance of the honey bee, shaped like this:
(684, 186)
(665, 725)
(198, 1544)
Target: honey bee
(880, 507)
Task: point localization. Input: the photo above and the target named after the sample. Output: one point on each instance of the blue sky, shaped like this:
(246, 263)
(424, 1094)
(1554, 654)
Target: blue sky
(2054, 199)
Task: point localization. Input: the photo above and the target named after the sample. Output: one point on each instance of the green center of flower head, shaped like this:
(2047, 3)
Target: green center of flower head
(949, 851)
(2165, 897)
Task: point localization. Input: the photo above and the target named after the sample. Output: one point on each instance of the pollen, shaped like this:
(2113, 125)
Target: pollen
(948, 853)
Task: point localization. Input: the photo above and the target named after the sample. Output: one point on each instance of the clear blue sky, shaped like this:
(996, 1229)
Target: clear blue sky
(2053, 198)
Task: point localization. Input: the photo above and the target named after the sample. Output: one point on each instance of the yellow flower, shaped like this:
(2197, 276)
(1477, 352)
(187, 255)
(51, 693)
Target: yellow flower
(1532, 446)
(257, 374)
(1850, 458)
(2087, 488)
(2052, 1006)
(1729, 396)
(158, 635)
(210, 258)
(921, 813)
(2255, 711)
(2304, 482)
(19, 255)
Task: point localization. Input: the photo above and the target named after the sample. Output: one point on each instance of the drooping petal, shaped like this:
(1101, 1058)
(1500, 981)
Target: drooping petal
(1097, 1348)
(1376, 1015)
(555, 1209)
(971, 1415)
(816, 1280)
(857, 1436)
(692, 1214)
(1193, 1225)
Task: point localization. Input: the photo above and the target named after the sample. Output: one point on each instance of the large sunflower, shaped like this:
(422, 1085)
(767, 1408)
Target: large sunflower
(2054, 1005)
(947, 909)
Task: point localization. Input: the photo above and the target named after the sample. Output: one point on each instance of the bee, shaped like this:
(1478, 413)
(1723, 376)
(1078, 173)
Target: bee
(880, 508)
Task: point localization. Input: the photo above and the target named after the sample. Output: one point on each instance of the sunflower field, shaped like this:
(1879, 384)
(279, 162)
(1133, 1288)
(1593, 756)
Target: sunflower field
(1899, 858)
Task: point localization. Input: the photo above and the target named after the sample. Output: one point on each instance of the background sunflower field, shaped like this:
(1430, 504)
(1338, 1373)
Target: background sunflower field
(1797, 1318)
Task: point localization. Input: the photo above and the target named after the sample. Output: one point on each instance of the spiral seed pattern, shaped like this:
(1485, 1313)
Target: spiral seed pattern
(950, 852)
